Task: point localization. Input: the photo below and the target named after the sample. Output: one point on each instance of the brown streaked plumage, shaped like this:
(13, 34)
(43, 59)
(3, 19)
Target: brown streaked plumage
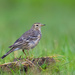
(28, 40)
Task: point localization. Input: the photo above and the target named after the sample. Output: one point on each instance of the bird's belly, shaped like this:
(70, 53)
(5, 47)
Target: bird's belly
(32, 44)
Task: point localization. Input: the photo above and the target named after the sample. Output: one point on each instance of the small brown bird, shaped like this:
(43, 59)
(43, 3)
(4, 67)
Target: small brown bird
(28, 40)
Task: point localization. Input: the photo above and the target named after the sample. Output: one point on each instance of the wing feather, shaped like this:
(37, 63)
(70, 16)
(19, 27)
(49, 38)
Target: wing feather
(25, 38)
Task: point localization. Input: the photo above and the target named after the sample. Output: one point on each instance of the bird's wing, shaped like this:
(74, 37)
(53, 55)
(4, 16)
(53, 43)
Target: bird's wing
(31, 38)
(17, 43)
(25, 38)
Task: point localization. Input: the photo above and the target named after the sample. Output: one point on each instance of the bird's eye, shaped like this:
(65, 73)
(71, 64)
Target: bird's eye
(36, 25)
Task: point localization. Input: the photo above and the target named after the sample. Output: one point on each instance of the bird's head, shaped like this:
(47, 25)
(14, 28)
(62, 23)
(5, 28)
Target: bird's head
(37, 26)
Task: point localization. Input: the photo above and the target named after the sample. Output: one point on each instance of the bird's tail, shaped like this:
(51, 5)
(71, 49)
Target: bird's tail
(11, 50)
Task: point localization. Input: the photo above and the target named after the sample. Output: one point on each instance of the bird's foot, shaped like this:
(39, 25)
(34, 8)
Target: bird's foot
(28, 57)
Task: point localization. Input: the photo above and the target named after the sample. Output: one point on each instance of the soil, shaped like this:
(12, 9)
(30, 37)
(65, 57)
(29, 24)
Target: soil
(24, 64)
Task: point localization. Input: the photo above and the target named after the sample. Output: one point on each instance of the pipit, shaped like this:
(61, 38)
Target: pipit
(28, 40)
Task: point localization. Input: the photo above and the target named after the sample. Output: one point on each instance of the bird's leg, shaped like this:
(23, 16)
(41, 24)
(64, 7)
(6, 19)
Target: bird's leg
(20, 57)
(24, 52)
(28, 54)
(28, 59)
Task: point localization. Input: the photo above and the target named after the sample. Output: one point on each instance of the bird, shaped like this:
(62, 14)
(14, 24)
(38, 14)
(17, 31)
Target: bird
(28, 40)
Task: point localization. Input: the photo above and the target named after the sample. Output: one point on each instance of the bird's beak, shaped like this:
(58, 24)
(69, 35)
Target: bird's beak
(42, 24)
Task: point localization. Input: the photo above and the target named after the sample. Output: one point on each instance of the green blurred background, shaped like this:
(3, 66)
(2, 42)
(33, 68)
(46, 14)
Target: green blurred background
(58, 36)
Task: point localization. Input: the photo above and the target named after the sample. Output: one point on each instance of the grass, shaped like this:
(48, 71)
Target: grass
(58, 36)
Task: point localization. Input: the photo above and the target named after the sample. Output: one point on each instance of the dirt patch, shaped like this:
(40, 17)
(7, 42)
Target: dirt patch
(24, 64)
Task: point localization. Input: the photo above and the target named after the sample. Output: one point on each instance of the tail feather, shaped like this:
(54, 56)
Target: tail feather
(11, 46)
(11, 50)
